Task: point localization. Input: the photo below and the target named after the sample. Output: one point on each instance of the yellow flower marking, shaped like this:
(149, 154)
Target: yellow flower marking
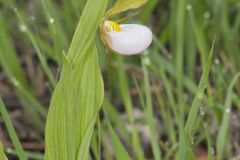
(112, 26)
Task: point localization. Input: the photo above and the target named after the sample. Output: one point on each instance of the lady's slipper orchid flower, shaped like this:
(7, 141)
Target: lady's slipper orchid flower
(126, 39)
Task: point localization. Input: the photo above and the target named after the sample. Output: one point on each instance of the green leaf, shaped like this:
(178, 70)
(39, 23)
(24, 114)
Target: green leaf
(124, 5)
(83, 150)
(91, 18)
(75, 103)
(79, 93)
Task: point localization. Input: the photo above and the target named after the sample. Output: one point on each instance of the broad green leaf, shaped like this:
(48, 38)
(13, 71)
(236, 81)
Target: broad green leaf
(83, 150)
(75, 103)
(91, 18)
(2, 154)
(124, 5)
(79, 93)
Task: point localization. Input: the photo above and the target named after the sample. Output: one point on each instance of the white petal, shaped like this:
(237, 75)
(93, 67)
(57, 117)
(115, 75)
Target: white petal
(133, 39)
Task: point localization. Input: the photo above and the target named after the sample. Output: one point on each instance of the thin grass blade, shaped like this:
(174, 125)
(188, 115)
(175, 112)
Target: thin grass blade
(221, 138)
(120, 151)
(12, 133)
(2, 154)
(193, 115)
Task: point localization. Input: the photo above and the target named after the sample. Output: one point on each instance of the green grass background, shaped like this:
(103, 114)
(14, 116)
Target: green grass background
(185, 85)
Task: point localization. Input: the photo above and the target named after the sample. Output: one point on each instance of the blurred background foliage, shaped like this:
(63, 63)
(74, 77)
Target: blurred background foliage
(143, 94)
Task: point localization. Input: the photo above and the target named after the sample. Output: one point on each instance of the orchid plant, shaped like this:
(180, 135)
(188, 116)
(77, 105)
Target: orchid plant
(79, 93)
(125, 39)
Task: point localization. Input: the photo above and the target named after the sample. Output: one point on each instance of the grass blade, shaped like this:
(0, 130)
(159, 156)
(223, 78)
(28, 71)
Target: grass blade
(180, 18)
(123, 82)
(198, 28)
(39, 53)
(12, 67)
(189, 127)
(221, 139)
(186, 134)
(58, 34)
(120, 151)
(149, 113)
(210, 155)
(2, 154)
(116, 119)
(20, 152)
(148, 9)
(8, 56)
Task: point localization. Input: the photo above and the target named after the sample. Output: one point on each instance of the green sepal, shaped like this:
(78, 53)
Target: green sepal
(124, 5)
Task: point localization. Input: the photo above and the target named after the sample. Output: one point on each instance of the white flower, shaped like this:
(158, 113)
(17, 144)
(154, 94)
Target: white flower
(127, 39)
